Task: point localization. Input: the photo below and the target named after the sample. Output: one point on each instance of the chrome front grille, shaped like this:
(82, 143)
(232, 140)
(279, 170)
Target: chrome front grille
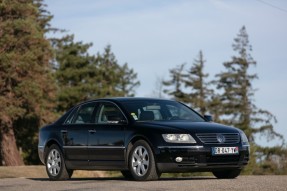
(215, 138)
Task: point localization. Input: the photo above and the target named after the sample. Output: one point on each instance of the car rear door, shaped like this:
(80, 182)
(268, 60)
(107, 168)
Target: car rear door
(76, 135)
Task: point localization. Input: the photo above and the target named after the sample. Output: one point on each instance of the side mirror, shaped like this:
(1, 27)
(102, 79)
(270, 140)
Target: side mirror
(116, 119)
(208, 118)
(123, 121)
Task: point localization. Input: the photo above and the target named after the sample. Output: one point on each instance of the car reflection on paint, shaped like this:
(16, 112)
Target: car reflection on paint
(142, 138)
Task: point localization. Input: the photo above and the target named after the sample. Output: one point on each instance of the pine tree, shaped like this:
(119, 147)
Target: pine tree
(82, 76)
(109, 73)
(238, 93)
(195, 81)
(115, 80)
(176, 83)
(26, 84)
(215, 107)
(238, 96)
(75, 72)
(127, 81)
(190, 86)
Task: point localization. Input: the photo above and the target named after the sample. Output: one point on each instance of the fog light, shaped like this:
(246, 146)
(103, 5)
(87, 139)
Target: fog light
(178, 159)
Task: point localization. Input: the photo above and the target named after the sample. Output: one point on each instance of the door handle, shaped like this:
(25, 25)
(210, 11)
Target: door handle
(92, 131)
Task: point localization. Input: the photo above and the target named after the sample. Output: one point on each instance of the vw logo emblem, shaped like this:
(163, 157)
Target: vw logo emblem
(220, 138)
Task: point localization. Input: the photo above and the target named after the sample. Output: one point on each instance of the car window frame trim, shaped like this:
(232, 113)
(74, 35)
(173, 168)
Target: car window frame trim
(96, 102)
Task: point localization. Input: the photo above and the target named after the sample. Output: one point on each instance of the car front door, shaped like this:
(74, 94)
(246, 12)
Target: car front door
(106, 140)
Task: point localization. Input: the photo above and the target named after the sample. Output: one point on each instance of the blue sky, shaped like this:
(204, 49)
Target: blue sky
(155, 36)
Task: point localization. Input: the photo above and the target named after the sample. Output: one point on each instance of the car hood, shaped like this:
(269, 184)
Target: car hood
(193, 127)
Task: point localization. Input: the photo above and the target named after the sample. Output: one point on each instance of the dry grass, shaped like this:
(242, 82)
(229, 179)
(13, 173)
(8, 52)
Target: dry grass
(40, 172)
(23, 171)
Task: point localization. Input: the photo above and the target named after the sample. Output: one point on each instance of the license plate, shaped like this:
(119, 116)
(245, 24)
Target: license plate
(225, 151)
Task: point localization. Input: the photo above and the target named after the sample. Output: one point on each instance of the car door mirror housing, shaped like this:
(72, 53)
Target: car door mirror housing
(208, 118)
(116, 119)
(123, 121)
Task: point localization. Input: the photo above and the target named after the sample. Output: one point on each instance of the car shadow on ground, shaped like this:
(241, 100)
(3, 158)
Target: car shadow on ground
(123, 179)
(187, 178)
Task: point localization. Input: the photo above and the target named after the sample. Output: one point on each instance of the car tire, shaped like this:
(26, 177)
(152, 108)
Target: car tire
(142, 163)
(127, 174)
(70, 172)
(55, 164)
(227, 174)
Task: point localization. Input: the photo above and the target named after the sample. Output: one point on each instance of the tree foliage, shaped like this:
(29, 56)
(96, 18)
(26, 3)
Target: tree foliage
(199, 93)
(175, 83)
(75, 73)
(233, 103)
(81, 76)
(128, 81)
(27, 88)
(116, 80)
(238, 93)
(32, 92)
(190, 86)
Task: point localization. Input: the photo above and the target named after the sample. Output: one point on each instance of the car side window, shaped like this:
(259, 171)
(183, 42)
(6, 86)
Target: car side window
(70, 118)
(85, 114)
(180, 113)
(174, 111)
(109, 113)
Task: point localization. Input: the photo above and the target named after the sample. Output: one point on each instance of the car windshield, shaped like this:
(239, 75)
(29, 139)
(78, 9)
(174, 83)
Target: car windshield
(160, 110)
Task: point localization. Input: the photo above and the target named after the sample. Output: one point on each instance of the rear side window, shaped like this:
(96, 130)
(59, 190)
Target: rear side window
(70, 118)
(82, 114)
(85, 114)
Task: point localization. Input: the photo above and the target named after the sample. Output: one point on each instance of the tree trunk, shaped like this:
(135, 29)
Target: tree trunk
(9, 153)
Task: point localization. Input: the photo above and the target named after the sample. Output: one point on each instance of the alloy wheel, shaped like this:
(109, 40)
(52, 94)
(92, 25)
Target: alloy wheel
(140, 161)
(54, 162)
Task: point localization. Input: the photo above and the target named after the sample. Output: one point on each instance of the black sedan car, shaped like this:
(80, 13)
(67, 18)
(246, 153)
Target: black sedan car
(142, 138)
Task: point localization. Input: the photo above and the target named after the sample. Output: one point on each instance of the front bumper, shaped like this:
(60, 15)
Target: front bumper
(41, 153)
(198, 158)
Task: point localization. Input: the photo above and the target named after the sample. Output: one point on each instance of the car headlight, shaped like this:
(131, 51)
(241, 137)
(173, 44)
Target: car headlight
(178, 138)
(244, 138)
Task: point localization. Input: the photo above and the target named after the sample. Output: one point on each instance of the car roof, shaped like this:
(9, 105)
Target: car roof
(129, 99)
(123, 99)
(134, 98)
